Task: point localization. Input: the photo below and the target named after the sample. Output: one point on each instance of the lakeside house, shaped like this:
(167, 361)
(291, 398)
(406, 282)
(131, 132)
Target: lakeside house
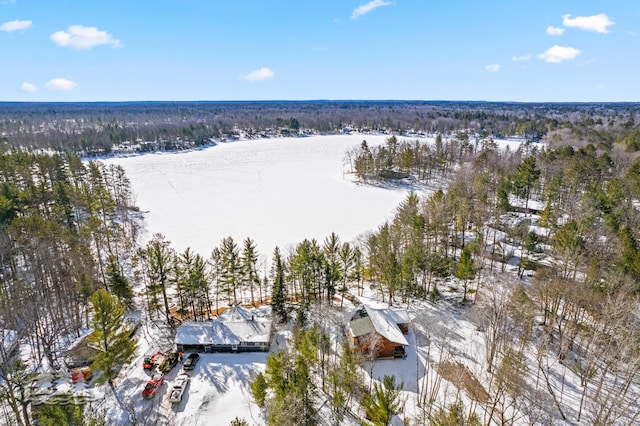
(379, 333)
(237, 329)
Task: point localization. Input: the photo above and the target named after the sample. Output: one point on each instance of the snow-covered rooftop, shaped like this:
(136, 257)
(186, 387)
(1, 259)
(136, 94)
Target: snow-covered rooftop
(232, 327)
(382, 321)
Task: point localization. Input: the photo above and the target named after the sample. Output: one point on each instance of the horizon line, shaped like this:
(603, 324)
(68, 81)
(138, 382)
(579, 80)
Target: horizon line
(318, 101)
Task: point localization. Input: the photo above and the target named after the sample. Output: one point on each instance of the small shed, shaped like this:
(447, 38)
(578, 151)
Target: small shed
(379, 332)
(237, 329)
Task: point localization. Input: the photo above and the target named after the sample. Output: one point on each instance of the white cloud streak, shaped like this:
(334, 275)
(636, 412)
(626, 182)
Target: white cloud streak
(263, 73)
(522, 58)
(554, 31)
(28, 87)
(366, 8)
(16, 25)
(61, 84)
(598, 23)
(556, 54)
(81, 37)
(492, 68)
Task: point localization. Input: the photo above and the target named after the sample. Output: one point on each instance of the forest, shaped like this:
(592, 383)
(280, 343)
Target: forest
(96, 128)
(565, 205)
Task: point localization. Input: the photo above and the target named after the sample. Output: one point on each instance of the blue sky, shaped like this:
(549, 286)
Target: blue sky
(496, 50)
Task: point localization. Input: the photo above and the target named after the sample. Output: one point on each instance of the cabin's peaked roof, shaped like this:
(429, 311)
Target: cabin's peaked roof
(382, 321)
(237, 313)
(398, 316)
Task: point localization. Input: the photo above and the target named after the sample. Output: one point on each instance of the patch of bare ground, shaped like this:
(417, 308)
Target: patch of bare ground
(80, 353)
(462, 378)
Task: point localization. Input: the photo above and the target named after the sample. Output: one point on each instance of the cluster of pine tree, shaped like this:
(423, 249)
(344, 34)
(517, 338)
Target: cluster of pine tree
(67, 228)
(200, 286)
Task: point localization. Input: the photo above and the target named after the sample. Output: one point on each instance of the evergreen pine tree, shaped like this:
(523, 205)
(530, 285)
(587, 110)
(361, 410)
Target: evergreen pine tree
(110, 334)
(333, 267)
(454, 415)
(278, 294)
(230, 269)
(465, 270)
(249, 261)
(385, 402)
(70, 412)
(117, 282)
(158, 263)
(525, 179)
(259, 388)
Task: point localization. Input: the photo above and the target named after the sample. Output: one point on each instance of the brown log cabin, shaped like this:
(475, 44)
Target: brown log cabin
(379, 333)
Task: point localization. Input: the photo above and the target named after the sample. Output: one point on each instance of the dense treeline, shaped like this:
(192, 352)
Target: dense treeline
(66, 228)
(95, 128)
(200, 287)
(586, 198)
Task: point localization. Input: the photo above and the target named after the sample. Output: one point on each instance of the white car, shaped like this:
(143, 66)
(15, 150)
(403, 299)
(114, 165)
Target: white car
(178, 388)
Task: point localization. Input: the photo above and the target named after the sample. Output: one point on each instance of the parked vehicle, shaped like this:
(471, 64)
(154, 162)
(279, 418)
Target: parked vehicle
(152, 360)
(79, 374)
(169, 362)
(153, 385)
(191, 361)
(180, 385)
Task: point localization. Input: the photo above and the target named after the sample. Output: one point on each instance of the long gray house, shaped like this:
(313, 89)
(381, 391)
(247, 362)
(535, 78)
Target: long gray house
(238, 329)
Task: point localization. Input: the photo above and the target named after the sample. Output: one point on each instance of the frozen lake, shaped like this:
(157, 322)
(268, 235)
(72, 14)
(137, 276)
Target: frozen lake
(276, 191)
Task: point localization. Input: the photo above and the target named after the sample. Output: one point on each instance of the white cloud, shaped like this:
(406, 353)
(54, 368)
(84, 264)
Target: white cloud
(492, 68)
(81, 37)
(61, 84)
(366, 8)
(263, 73)
(559, 54)
(522, 58)
(28, 87)
(598, 23)
(632, 33)
(15, 26)
(554, 31)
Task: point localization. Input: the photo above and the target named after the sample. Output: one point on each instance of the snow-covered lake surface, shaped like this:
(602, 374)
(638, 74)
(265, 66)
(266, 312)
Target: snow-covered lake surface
(276, 191)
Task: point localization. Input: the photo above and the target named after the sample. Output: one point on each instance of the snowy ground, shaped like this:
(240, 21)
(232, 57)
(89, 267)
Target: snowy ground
(276, 191)
(218, 391)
